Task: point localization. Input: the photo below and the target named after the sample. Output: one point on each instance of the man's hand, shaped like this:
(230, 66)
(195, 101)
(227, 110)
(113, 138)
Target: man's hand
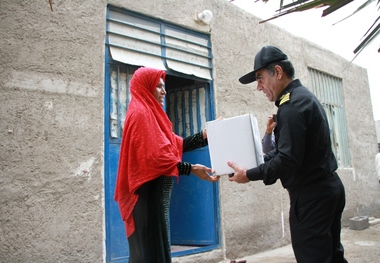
(270, 125)
(240, 175)
(203, 173)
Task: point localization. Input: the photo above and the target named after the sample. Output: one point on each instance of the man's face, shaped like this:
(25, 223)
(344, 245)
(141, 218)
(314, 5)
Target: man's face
(267, 83)
(160, 92)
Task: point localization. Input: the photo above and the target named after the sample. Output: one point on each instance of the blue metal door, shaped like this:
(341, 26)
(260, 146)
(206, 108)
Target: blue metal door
(194, 209)
(116, 101)
(193, 206)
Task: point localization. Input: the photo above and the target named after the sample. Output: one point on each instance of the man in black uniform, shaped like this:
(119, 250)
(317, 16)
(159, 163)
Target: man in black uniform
(303, 160)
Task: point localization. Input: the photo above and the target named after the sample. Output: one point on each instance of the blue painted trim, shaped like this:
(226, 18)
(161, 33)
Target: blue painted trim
(183, 114)
(191, 112)
(195, 250)
(107, 193)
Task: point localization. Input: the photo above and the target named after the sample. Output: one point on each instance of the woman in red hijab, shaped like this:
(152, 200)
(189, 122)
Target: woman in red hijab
(150, 157)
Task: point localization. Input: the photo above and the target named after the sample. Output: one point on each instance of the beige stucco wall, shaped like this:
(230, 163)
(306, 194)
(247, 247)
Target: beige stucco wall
(51, 123)
(377, 123)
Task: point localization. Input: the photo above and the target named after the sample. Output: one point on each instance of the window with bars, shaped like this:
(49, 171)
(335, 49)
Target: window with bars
(188, 109)
(328, 89)
(142, 41)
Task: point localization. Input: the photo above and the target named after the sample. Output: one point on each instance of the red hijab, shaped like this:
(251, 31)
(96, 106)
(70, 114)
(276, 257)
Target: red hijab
(149, 148)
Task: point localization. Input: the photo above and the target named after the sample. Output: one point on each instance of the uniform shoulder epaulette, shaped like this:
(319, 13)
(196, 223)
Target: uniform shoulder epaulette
(284, 98)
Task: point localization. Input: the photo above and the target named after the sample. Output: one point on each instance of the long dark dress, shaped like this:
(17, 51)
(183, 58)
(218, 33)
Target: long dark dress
(150, 243)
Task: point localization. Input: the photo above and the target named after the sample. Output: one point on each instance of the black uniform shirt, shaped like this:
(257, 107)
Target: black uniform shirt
(303, 153)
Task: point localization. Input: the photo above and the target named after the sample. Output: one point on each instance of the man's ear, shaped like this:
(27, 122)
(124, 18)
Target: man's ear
(278, 71)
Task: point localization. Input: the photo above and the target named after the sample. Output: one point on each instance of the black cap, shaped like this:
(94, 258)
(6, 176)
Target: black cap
(265, 56)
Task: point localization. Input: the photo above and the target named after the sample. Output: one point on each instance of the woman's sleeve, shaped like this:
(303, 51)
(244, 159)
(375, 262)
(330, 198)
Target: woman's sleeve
(184, 168)
(193, 142)
(190, 143)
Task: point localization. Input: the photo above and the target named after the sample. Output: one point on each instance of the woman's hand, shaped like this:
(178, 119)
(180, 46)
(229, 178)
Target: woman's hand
(203, 173)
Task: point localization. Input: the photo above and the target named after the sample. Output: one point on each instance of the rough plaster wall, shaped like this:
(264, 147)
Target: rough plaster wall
(52, 126)
(362, 141)
(51, 97)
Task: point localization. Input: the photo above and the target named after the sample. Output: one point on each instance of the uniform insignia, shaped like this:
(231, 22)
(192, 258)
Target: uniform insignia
(284, 98)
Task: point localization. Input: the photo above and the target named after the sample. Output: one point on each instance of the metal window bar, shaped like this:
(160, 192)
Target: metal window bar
(328, 89)
(187, 109)
(119, 99)
(114, 81)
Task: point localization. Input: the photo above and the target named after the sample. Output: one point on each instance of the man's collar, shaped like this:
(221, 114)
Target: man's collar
(287, 90)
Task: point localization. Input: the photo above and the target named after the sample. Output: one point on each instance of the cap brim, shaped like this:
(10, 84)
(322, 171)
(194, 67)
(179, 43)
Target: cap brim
(248, 78)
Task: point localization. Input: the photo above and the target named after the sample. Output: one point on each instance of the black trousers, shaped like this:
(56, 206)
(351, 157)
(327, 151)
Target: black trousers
(150, 243)
(315, 221)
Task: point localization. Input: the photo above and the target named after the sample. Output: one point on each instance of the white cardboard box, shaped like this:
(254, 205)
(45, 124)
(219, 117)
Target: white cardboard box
(235, 139)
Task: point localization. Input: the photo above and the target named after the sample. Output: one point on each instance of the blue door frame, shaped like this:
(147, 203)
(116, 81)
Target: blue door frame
(194, 210)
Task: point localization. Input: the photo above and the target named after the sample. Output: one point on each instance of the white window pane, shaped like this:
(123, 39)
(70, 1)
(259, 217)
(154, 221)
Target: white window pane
(136, 58)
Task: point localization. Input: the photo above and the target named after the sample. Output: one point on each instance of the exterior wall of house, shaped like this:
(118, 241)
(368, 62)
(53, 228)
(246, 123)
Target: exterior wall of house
(377, 123)
(52, 126)
(51, 100)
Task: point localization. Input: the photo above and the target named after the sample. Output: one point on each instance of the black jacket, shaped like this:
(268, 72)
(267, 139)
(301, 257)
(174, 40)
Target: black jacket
(303, 153)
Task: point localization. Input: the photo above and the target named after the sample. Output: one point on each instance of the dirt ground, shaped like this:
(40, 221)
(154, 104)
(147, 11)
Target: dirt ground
(361, 246)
